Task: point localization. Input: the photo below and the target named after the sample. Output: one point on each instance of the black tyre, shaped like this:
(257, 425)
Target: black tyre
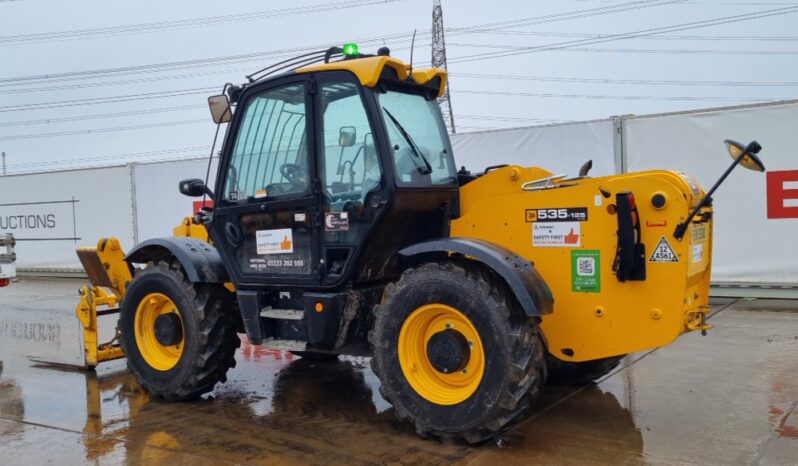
(314, 356)
(579, 373)
(454, 352)
(179, 338)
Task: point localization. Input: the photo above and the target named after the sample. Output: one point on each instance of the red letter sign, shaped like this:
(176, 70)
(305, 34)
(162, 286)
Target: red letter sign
(199, 204)
(778, 194)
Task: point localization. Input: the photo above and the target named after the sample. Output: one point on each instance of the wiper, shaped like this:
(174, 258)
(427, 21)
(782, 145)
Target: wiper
(416, 151)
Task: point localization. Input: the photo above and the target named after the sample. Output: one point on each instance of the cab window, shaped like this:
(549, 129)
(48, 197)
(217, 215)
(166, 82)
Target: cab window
(270, 157)
(351, 165)
(420, 145)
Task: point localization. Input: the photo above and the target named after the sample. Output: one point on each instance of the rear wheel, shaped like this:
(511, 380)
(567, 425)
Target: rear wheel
(579, 373)
(179, 337)
(454, 352)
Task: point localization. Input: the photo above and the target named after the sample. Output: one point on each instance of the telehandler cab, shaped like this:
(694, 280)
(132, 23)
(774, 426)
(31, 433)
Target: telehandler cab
(340, 225)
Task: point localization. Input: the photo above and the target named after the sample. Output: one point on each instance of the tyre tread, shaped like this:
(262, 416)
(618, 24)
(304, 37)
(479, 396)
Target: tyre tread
(527, 373)
(217, 337)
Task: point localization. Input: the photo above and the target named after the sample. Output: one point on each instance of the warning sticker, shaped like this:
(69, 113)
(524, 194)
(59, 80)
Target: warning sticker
(561, 234)
(698, 232)
(663, 252)
(585, 270)
(279, 241)
(336, 221)
(698, 252)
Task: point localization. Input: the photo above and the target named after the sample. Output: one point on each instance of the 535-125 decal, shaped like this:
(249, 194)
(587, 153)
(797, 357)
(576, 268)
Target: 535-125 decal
(564, 214)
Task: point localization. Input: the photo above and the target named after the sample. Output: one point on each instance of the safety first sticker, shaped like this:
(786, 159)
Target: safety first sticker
(556, 227)
(586, 270)
(663, 252)
(562, 234)
(280, 241)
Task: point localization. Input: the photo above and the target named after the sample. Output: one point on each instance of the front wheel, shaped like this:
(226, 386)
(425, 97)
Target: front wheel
(454, 352)
(179, 337)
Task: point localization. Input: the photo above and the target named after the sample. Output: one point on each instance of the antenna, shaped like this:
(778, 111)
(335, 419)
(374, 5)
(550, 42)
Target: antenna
(439, 61)
(412, 47)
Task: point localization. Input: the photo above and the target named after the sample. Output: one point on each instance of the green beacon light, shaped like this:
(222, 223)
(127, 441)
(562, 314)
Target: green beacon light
(350, 50)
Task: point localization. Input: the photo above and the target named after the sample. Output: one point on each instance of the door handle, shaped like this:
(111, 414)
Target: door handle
(232, 233)
(376, 201)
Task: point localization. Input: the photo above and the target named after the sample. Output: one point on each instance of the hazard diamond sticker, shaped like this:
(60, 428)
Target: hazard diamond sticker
(663, 252)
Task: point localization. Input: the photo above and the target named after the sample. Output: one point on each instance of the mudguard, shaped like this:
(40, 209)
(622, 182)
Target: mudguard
(525, 282)
(199, 259)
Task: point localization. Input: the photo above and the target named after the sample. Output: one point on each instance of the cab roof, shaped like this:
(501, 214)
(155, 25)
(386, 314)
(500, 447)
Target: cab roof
(370, 69)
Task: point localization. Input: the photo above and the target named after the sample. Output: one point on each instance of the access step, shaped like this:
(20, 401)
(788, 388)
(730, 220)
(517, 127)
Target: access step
(282, 314)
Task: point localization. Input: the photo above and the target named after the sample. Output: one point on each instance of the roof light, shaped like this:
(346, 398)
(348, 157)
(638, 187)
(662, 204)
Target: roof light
(350, 49)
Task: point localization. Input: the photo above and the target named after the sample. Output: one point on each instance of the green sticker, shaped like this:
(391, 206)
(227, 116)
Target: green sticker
(586, 270)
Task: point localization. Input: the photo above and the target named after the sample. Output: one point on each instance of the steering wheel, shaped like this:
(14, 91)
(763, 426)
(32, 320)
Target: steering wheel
(292, 172)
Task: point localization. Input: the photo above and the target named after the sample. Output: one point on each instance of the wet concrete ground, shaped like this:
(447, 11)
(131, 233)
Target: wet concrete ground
(727, 398)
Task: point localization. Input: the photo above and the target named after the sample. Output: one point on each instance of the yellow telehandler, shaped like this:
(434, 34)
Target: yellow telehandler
(340, 225)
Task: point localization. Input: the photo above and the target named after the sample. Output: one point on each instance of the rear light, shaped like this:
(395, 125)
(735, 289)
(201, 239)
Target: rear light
(694, 188)
(4, 281)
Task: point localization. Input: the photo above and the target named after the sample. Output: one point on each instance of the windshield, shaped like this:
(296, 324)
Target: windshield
(421, 150)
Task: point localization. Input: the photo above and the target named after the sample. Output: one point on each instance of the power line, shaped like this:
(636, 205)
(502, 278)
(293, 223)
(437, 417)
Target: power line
(622, 97)
(658, 82)
(668, 37)
(122, 82)
(632, 35)
(210, 61)
(105, 100)
(183, 23)
(576, 14)
(104, 130)
(99, 116)
(512, 23)
(636, 50)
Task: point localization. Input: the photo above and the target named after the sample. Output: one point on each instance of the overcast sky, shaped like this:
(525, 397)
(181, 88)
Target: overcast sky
(498, 79)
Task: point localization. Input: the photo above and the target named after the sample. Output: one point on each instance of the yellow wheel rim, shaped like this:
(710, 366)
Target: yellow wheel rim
(435, 386)
(157, 355)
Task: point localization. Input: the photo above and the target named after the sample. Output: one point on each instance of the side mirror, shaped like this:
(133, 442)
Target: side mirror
(347, 136)
(220, 108)
(742, 155)
(750, 161)
(194, 187)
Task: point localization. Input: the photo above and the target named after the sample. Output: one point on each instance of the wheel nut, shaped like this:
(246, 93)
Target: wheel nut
(465, 370)
(449, 325)
(471, 343)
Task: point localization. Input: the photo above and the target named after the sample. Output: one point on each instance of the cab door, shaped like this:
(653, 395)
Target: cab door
(264, 214)
(351, 178)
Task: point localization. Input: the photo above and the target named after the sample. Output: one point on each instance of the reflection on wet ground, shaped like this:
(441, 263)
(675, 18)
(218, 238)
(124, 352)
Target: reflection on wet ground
(729, 398)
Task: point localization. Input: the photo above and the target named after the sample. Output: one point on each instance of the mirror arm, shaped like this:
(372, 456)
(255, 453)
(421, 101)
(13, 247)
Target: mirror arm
(681, 228)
